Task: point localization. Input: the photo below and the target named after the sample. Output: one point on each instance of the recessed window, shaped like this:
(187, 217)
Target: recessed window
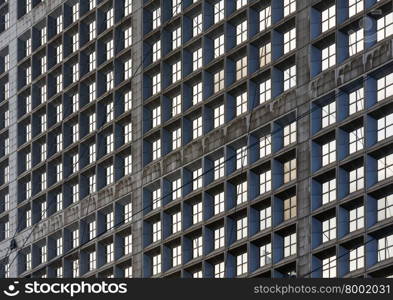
(356, 140)
(328, 18)
(289, 40)
(290, 208)
(356, 218)
(356, 258)
(385, 26)
(329, 267)
(241, 228)
(355, 7)
(290, 244)
(241, 32)
(328, 56)
(385, 207)
(328, 230)
(328, 114)
(385, 127)
(385, 167)
(356, 40)
(328, 153)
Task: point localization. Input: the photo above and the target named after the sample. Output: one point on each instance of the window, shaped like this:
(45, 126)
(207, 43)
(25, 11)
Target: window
(289, 7)
(218, 115)
(75, 192)
(197, 214)
(92, 183)
(219, 11)
(219, 46)
(59, 172)
(219, 168)
(289, 78)
(156, 198)
(176, 138)
(197, 274)
(75, 42)
(328, 153)
(127, 7)
(265, 146)
(265, 182)
(218, 81)
(59, 83)
(290, 208)
(385, 127)
(75, 12)
(385, 207)
(328, 18)
(176, 7)
(127, 70)
(219, 238)
(92, 61)
(127, 100)
(156, 18)
(355, 7)
(127, 212)
(109, 18)
(241, 104)
(156, 264)
(356, 39)
(329, 191)
(176, 222)
(356, 179)
(265, 218)
(219, 270)
(128, 164)
(385, 248)
(197, 25)
(92, 260)
(329, 267)
(176, 189)
(156, 50)
(241, 192)
(59, 53)
(176, 71)
(109, 143)
(109, 174)
(197, 93)
(75, 238)
(109, 49)
(43, 35)
(59, 201)
(241, 157)
(356, 140)
(156, 116)
(289, 170)
(176, 256)
(109, 219)
(43, 64)
(176, 38)
(385, 87)
(92, 30)
(59, 246)
(156, 231)
(328, 56)
(219, 203)
(197, 59)
(241, 264)
(356, 101)
(265, 254)
(241, 32)
(385, 167)
(290, 244)
(289, 40)
(59, 24)
(329, 230)
(92, 92)
(43, 254)
(128, 244)
(75, 268)
(127, 132)
(290, 134)
(156, 149)
(110, 80)
(92, 153)
(109, 251)
(265, 18)
(92, 230)
(28, 260)
(197, 245)
(197, 128)
(156, 86)
(328, 114)
(241, 68)
(385, 26)
(241, 228)
(356, 258)
(265, 57)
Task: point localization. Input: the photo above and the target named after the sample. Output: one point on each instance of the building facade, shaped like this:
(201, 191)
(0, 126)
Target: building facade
(198, 138)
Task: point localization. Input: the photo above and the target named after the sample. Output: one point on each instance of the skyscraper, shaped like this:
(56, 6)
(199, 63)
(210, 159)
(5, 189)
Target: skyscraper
(205, 138)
